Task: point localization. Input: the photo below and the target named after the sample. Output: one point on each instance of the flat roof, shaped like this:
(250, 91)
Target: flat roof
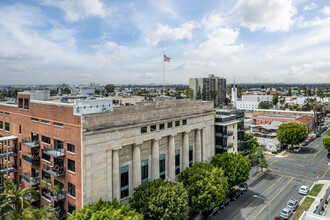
(288, 111)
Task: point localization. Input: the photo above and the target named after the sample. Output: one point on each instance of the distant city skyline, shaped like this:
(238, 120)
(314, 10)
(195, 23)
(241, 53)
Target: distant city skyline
(81, 41)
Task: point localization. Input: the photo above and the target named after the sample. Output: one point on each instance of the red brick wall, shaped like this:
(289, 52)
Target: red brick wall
(70, 133)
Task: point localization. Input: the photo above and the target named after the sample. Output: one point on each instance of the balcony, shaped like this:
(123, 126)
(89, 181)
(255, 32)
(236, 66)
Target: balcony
(225, 134)
(60, 213)
(30, 144)
(54, 152)
(56, 171)
(11, 152)
(56, 196)
(11, 168)
(31, 158)
(225, 147)
(32, 181)
(33, 199)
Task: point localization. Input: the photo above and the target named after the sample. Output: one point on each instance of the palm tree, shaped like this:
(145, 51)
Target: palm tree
(43, 213)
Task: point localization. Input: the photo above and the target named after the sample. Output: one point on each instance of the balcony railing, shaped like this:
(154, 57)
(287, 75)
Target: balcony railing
(33, 199)
(32, 181)
(55, 152)
(56, 171)
(11, 152)
(225, 147)
(225, 134)
(11, 168)
(56, 196)
(30, 144)
(31, 158)
(60, 213)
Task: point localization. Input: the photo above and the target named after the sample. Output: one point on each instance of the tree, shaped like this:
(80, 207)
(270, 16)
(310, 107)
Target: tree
(44, 213)
(253, 142)
(106, 210)
(264, 105)
(109, 88)
(257, 157)
(326, 142)
(189, 92)
(97, 91)
(199, 93)
(289, 92)
(282, 100)
(275, 100)
(292, 133)
(309, 92)
(235, 166)
(159, 199)
(206, 185)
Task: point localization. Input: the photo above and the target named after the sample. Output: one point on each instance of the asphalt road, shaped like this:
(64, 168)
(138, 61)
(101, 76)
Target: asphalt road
(268, 195)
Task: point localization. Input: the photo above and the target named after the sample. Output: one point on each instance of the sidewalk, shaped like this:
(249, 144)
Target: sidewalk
(253, 177)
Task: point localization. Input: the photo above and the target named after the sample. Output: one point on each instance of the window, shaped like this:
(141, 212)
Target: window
(1, 124)
(70, 147)
(45, 156)
(71, 189)
(6, 126)
(191, 155)
(34, 119)
(20, 129)
(144, 171)
(123, 182)
(153, 128)
(177, 123)
(169, 124)
(6, 113)
(20, 163)
(162, 166)
(177, 162)
(58, 145)
(71, 165)
(184, 122)
(45, 139)
(20, 147)
(20, 179)
(144, 130)
(45, 175)
(26, 103)
(45, 122)
(58, 124)
(71, 208)
(20, 103)
(161, 126)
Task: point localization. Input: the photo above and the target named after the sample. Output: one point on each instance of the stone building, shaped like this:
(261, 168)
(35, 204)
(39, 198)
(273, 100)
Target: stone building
(98, 149)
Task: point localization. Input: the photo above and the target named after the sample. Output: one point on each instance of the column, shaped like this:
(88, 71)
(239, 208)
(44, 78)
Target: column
(115, 175)
(155, 160)
(171, 158)
(205, 145)
(136, 165)
(109, 174)
(198, 144)
(212, 141)
(185, 151)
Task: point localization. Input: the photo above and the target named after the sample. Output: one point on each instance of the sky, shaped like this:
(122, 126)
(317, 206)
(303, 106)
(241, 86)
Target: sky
(120, 42)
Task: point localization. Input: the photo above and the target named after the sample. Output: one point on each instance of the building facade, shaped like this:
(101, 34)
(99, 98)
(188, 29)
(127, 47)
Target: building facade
(212, 88)
(229, 133)
(105, 154)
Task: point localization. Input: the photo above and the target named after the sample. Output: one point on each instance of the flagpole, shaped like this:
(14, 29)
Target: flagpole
(163, 74)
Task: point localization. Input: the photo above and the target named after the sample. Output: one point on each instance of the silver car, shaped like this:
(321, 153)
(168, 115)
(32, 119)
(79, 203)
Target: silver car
(286, 213)
(293, 204)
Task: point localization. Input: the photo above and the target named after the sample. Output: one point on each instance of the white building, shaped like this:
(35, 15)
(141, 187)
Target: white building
(251, 102)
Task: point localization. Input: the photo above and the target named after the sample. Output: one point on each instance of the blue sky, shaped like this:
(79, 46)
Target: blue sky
(81, 41)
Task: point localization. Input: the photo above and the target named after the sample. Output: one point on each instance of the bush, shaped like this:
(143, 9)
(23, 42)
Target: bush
(274, 152)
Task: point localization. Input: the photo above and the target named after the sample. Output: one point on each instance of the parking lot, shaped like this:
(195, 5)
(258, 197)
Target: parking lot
(268, 195)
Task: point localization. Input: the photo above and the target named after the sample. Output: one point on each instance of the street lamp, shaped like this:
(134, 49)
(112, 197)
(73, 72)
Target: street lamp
(256, 196)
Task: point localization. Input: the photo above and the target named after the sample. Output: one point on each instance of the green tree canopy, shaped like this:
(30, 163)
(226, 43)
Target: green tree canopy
(206, 185)
(275, 99)
(292, 133)
(159, 199)
(326, 142)
(264, 105)
(236, 167)
(109, 88)
(106, 210)
(253, 142)
(257, 157)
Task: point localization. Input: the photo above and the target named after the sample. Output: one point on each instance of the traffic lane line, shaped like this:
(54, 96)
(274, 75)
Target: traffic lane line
(317, 153)
(325, 173)
(272, 170)
(272, 163)
(292, 177)
(273, 197)
(319, 163)
(312, 149)
(257, 198)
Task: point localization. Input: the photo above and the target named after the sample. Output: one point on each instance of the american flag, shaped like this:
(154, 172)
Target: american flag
(166, 58)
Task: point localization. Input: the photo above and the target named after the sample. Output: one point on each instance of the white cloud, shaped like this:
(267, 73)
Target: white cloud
(76, 10)
(165, 32)
(310, 6)
(212, 22)
(326, 10)
(271, 15)
(106, 47)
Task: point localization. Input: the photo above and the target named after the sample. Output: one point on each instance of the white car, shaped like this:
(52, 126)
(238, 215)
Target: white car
(296, 149)
(304, 190)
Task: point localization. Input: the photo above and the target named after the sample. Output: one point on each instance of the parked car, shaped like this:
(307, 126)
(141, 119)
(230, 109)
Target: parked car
(304, 190)
(293, 204)
(279, 218)
(224, 203)
(313, 135)
(296, 149)
(328, 155)
(286, 213)
(211, 213)
(318, 134)
(234, 194)
(243, 187)
(310, 138)
(305, 143)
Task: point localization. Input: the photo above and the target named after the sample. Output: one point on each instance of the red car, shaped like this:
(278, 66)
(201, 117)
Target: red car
(310, 138)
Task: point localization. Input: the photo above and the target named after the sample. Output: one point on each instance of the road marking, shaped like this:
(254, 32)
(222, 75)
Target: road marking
(317, 154)
(325, 173)
(257, 198)
(273, 198)
(292, 177)
(272, 163)
(269, 158)
(311, 149)
(290, 173)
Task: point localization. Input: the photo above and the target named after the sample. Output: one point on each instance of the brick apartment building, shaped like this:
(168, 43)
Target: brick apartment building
(90, 149)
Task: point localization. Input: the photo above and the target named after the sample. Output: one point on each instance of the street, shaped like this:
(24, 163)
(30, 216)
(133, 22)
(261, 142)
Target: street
(268, 195)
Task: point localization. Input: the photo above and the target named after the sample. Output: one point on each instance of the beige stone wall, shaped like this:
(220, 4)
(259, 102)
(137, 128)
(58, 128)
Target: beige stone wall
(121, 129)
